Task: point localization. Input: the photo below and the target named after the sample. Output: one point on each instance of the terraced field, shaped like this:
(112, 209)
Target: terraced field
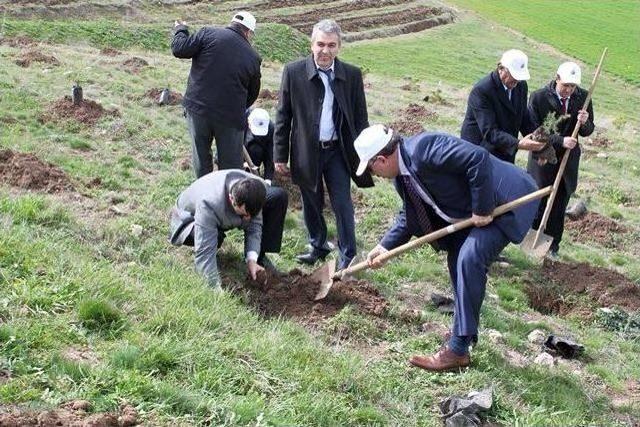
(361, 19)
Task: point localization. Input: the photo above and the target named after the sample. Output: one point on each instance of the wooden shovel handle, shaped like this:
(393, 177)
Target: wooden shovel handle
(565, 157)
(444, 231)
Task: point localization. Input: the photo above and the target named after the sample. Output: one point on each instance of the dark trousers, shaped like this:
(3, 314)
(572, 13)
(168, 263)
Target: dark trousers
(338, 180)
(203, 131)
(469, 254)
(273, 213)
(555, 223)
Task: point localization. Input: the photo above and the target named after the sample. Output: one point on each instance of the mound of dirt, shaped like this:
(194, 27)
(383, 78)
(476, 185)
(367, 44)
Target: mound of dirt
(32, 55)
(599, 139)
(269, 95)
(109, 51)
(595, 228)
(561, 282)
(88, 112)
(134, 65)
(20, 41)
(28, 172)
(71, 414)
(409, 120)
(175, 98)
(292, 296)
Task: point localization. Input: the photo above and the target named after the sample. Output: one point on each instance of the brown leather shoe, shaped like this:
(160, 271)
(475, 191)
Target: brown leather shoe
(442, 361)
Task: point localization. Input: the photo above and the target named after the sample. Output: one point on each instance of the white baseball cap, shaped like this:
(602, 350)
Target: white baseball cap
(369, 143)
(259, 122)
(516, 61)
(569, 72)
(246, 19)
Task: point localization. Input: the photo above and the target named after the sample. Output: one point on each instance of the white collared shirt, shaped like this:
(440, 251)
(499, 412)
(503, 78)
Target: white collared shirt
(426, 197)
(327, 127)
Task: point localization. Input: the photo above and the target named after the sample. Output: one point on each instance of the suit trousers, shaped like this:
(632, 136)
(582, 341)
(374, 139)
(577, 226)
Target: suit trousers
(555, 223)
(203, 130)
(336, 176)
(470, 252)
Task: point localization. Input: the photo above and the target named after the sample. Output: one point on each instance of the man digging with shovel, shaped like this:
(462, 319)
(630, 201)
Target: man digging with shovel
(443, 180)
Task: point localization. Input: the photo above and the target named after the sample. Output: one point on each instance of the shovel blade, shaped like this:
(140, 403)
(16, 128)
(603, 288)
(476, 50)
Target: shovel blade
(324, 275)
(536, 249)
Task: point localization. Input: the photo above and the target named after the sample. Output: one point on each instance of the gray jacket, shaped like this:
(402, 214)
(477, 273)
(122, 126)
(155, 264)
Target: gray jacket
(204, 208)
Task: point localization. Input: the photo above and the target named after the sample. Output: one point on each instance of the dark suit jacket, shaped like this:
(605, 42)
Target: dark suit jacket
(297, 126)
(545, 101)
(225, 73)
(493, 121)
(462, 179)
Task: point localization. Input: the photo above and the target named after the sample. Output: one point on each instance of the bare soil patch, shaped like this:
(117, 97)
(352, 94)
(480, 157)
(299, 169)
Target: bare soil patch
(109, 51)
(175, 98)
(599, 139)
(292, 296)
(561, 283)
(83, 355)
(19, 41)
(134, 65)
(27, 171)
(595, 228)
(409, 120)
(29, 56)
(73, 414)
(87, 112)
(268, 95)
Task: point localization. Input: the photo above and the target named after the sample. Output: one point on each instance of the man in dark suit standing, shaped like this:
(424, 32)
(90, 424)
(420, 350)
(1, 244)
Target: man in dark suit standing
(497, 109)
(561, 96)
(322, 109)
(443, 180)
(224, 81)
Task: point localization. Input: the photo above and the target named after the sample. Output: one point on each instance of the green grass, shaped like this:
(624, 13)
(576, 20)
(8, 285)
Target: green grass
(578, 28)
(73, 276)
(275, 42)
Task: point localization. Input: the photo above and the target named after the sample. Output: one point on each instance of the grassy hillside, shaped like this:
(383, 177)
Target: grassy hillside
(95, 305)
(577, 28)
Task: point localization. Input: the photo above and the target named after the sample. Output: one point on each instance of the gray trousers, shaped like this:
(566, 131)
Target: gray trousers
(203, 131)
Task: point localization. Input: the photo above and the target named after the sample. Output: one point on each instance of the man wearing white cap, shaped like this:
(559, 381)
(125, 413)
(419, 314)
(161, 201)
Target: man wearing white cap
(258, 140)
(561, 96)
(443, 180)
(497, 109)
(224, 81)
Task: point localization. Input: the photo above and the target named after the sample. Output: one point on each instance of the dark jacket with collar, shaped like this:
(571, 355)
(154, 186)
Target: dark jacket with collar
(297, 126)
(544, 101)
(462, 179)
(493, 121)
(225, 73)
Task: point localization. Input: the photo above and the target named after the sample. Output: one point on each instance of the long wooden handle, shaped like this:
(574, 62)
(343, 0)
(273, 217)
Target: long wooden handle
(565, 157)
(444, 231)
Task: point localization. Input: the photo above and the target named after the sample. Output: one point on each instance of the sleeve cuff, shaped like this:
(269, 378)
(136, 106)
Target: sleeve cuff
(252, 256)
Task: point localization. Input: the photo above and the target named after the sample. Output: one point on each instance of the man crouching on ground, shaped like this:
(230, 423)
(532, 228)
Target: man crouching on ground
(223, 200)
(442, 180)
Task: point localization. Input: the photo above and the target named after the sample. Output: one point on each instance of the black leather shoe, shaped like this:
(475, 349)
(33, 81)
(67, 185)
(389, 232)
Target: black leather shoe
(311, 257)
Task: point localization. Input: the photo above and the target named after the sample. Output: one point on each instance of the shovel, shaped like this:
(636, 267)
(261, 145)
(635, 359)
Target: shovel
(536, 243)
(247, 158)
(326, 274)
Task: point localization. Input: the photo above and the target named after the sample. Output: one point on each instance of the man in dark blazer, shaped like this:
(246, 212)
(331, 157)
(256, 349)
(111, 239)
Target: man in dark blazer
(497, 109)
(443, 180)
(561, 96)
(223, 200)
(224, 81)
(322, 109)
